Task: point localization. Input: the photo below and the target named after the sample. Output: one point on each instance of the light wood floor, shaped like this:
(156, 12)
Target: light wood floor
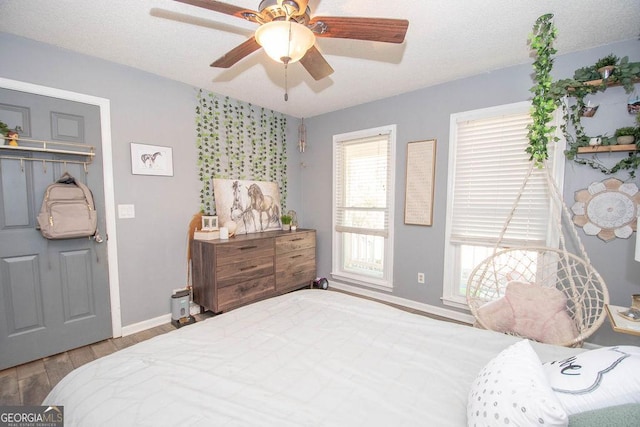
(30, 383)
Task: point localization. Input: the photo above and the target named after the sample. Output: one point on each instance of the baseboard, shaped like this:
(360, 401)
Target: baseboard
(425, 308)
(146, 324)
(156, 321)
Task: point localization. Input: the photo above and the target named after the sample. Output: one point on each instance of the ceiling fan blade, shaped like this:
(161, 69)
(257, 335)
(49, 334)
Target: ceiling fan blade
(237, 53)
(315, 64)
(373, 29)
(229, 9)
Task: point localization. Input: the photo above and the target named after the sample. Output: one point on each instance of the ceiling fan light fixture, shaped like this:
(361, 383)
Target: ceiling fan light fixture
(285, 41)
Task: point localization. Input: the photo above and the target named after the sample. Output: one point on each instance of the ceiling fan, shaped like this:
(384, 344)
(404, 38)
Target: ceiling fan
(287, 32)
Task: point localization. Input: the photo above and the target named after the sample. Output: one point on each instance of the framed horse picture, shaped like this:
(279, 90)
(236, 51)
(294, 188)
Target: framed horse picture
(254, 206)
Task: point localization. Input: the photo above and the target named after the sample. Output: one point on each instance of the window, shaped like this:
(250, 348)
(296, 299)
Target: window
(363, 182)
(487, 167)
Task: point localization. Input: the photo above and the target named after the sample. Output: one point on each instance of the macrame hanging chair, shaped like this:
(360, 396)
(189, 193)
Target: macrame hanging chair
(542, 277)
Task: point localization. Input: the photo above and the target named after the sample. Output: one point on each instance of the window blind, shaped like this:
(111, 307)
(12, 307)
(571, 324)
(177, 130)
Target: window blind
(490, 166)
(362, 179)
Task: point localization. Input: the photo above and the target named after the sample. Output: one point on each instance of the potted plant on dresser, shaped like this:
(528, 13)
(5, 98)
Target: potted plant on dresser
(286, 222)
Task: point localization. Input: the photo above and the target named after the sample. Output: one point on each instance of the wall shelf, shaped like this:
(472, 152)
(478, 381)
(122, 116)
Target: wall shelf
(53, 147)
(608, 148)
(574, 132)
(599, 82)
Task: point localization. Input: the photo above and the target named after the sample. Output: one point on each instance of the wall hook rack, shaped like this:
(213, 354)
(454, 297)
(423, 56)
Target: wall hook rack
(52, 147)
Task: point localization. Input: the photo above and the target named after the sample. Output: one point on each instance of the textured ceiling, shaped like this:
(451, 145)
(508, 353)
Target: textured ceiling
(446, 40)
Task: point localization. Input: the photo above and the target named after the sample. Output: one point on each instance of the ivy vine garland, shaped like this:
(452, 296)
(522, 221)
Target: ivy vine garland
(549, 95)
(544, 103)
(234, 141)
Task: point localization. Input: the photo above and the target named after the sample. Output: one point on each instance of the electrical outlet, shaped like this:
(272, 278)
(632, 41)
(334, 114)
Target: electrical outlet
(420, 277)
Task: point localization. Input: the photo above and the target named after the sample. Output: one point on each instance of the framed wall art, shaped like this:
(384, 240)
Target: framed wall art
(151, 160)
(418, 205)
(253, 206)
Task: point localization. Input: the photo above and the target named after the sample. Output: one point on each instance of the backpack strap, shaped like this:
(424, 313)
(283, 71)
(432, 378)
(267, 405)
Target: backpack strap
(66, 178)
(87, 193)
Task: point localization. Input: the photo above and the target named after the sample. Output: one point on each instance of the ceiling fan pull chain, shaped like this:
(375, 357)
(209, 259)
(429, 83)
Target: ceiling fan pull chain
(286, 83)
(286, 63)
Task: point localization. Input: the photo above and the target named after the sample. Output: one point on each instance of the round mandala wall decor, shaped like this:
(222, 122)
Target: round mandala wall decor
(607, 209)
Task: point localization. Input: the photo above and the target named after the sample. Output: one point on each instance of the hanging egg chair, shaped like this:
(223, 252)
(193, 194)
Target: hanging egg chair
(545, 294)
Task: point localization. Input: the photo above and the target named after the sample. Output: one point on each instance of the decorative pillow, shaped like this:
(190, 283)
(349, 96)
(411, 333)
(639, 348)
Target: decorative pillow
(513, 390)
(497, 315)
(607, 376)
(531, 311)
(540, 313)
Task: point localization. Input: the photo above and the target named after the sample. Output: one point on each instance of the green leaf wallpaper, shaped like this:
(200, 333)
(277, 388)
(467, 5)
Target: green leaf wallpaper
(237, 140)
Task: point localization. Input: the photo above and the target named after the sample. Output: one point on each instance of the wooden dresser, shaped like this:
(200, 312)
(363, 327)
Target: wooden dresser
(249, 267)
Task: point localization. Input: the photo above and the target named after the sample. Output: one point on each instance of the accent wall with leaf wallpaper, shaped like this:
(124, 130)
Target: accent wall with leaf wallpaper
(237, 140)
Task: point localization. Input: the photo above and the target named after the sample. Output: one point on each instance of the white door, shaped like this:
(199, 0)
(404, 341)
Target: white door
(54, 294)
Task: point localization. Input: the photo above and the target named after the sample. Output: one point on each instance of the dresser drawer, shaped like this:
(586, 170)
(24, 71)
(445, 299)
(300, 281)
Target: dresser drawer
(294, 241)
(233, 252)
(246, 292)
(295, 269)
(244, 269)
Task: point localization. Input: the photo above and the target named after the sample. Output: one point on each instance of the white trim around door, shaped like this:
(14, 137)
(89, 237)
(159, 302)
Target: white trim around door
(107, 163)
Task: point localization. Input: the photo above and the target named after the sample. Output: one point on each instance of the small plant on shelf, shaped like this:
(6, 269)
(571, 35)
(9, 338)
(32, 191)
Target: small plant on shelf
(607, 61)
(4, 129)
(626, 135)
(606, 65)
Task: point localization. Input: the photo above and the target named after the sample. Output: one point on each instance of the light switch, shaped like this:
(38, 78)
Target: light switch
(126, 211)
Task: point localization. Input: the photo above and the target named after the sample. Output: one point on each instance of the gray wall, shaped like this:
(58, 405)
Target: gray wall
(424, 114)
(148, 109)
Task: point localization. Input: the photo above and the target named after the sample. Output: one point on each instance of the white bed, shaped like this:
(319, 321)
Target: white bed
(307, 358)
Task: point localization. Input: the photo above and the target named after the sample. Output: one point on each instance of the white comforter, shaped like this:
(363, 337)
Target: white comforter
(308, 358)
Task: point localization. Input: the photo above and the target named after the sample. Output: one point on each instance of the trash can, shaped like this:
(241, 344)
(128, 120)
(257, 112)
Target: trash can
(180, 315)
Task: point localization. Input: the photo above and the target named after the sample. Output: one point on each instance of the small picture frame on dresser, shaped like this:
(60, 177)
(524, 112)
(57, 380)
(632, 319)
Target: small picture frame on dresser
(209, 223)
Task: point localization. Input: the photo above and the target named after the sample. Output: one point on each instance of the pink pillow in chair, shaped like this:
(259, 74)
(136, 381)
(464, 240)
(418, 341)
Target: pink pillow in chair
(531, 311)
(497, 315)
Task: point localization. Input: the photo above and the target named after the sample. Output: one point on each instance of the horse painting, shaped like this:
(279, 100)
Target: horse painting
(263, 204)
(238, 212)
(253, 206)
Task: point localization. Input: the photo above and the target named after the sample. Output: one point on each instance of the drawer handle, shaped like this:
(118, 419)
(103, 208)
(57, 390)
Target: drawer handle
(299, 238)
(248, 268)
(248, 247)
(296, 256)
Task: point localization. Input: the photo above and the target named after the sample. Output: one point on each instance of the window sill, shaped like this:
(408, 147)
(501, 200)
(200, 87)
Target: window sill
(460, 303)
(377, 284)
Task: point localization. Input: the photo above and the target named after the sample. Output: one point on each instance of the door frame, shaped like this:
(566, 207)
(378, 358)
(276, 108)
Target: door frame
(107, 164)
